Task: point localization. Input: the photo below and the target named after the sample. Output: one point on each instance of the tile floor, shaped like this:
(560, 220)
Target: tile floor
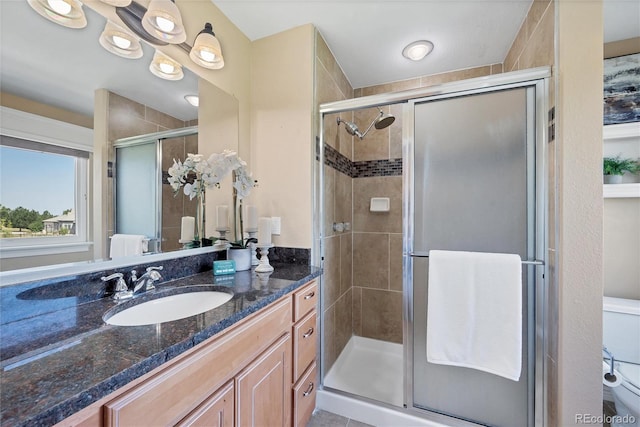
(322, 418)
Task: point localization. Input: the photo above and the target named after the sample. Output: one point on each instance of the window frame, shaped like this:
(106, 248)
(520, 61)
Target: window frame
(30, 127)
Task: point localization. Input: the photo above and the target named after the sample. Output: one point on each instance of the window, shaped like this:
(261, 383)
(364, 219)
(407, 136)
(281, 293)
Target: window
(43, 190)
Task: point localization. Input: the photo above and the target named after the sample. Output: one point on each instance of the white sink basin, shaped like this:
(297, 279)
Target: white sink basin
(166, 309)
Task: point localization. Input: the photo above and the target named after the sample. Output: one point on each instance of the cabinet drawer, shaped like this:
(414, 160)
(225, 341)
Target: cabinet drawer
(218, 410)
(304, 344)
(304, 397)
(305, 300)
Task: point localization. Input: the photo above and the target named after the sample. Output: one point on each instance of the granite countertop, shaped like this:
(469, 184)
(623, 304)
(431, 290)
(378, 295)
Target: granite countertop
(58, 356)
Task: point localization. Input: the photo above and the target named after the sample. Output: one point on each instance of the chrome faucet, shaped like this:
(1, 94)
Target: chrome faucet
(121, 290)
(146, 281)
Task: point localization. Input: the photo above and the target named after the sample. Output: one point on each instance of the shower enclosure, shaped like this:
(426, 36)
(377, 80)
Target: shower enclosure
(469, 175)
(143, 202)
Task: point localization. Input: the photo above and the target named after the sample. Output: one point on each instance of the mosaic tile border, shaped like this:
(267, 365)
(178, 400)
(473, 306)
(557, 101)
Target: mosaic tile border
(361, 169)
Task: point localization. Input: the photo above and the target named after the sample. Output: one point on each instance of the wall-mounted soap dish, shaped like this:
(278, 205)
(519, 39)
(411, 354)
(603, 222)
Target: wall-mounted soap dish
(379, 204)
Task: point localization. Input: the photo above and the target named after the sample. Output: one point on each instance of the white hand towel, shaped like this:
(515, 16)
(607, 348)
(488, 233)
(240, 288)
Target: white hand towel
(126, 245)
(475, 311)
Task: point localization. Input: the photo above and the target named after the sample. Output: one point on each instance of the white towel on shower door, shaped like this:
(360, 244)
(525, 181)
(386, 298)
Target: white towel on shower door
(474, 315)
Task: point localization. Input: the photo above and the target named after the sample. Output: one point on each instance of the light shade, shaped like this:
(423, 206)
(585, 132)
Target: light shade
(117, 3)
(163, 21)
(417, 50)
(192, 99)
(206, 50)
(166, 68)
(120, 42)
(68, 13)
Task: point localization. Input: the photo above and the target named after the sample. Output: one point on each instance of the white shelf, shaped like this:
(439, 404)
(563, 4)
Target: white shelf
(621, 190)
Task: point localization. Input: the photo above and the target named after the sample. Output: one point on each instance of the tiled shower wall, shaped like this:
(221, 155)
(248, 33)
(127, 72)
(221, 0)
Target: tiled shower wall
(332, 85)
(129, 118)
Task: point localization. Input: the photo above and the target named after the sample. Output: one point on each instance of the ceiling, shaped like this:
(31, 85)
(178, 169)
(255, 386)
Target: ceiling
(366, 37)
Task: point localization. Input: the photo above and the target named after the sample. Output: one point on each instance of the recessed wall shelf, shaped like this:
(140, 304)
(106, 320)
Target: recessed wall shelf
(621, 190)
(624, 140)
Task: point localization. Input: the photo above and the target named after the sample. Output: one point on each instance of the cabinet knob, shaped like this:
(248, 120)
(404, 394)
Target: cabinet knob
(308, 333)
(308, 391)
(310, 295)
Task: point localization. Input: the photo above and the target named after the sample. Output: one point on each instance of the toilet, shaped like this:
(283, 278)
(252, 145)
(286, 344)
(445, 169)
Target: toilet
(621, 329)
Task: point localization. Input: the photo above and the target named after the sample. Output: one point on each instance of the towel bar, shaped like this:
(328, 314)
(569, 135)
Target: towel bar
(426, 255)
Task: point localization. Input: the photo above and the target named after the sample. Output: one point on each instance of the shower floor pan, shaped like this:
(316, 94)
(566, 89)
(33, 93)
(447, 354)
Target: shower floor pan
(369, 368)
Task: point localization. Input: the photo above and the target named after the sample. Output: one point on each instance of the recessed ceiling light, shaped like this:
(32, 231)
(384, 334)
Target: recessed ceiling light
(192, 99)
(417, 50)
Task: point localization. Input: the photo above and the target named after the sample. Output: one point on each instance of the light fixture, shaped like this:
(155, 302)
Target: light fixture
(166, 68)
(68, 13)
(163, 21)
(193, 100)
(206, 50)
(417, 50)
(117, 3)
(120, 42)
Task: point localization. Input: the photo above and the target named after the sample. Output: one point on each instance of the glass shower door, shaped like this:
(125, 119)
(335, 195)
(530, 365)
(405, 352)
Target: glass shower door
(136, 192)
(474, 190)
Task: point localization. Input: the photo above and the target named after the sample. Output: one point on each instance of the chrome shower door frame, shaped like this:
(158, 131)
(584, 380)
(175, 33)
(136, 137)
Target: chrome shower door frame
(537, 198)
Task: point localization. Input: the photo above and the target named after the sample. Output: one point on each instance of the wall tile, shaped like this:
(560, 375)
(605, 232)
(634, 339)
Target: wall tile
(344, 320)
(126, 106)
(539, 50)
(366, 188)
(382, 315)
(371, 260)
(395, 131)
(375, 145)
(324, 55)
(330, 353)
(452, 76)
(331, 280)
(343, 198)
(164, 121)
(395, 262)
(390, 87)
(346, 262)
(497, 68)
(357, 310)
(330, 131)
(329, 199)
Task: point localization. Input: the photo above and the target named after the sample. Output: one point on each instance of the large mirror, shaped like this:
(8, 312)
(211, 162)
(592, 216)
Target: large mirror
(48, 67)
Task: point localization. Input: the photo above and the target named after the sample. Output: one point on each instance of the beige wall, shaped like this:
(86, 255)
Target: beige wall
(622, 248)
(282, 76)
(579, 88)
(18, 103)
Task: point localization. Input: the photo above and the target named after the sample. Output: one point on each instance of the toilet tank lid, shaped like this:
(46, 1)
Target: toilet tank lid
(621, 305)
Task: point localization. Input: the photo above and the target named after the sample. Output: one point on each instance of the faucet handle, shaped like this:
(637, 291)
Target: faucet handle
(111, 277)
(154, 268)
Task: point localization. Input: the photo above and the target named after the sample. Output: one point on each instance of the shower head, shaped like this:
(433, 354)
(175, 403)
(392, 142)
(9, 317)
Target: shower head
(384, 121)
(351, 128)
(380, 122)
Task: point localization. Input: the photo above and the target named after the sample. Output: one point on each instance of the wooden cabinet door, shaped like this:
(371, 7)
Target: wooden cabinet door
(217, 411)
(263, 389)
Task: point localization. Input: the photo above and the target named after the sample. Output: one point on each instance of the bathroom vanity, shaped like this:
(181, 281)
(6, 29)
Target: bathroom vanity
(250, 361)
